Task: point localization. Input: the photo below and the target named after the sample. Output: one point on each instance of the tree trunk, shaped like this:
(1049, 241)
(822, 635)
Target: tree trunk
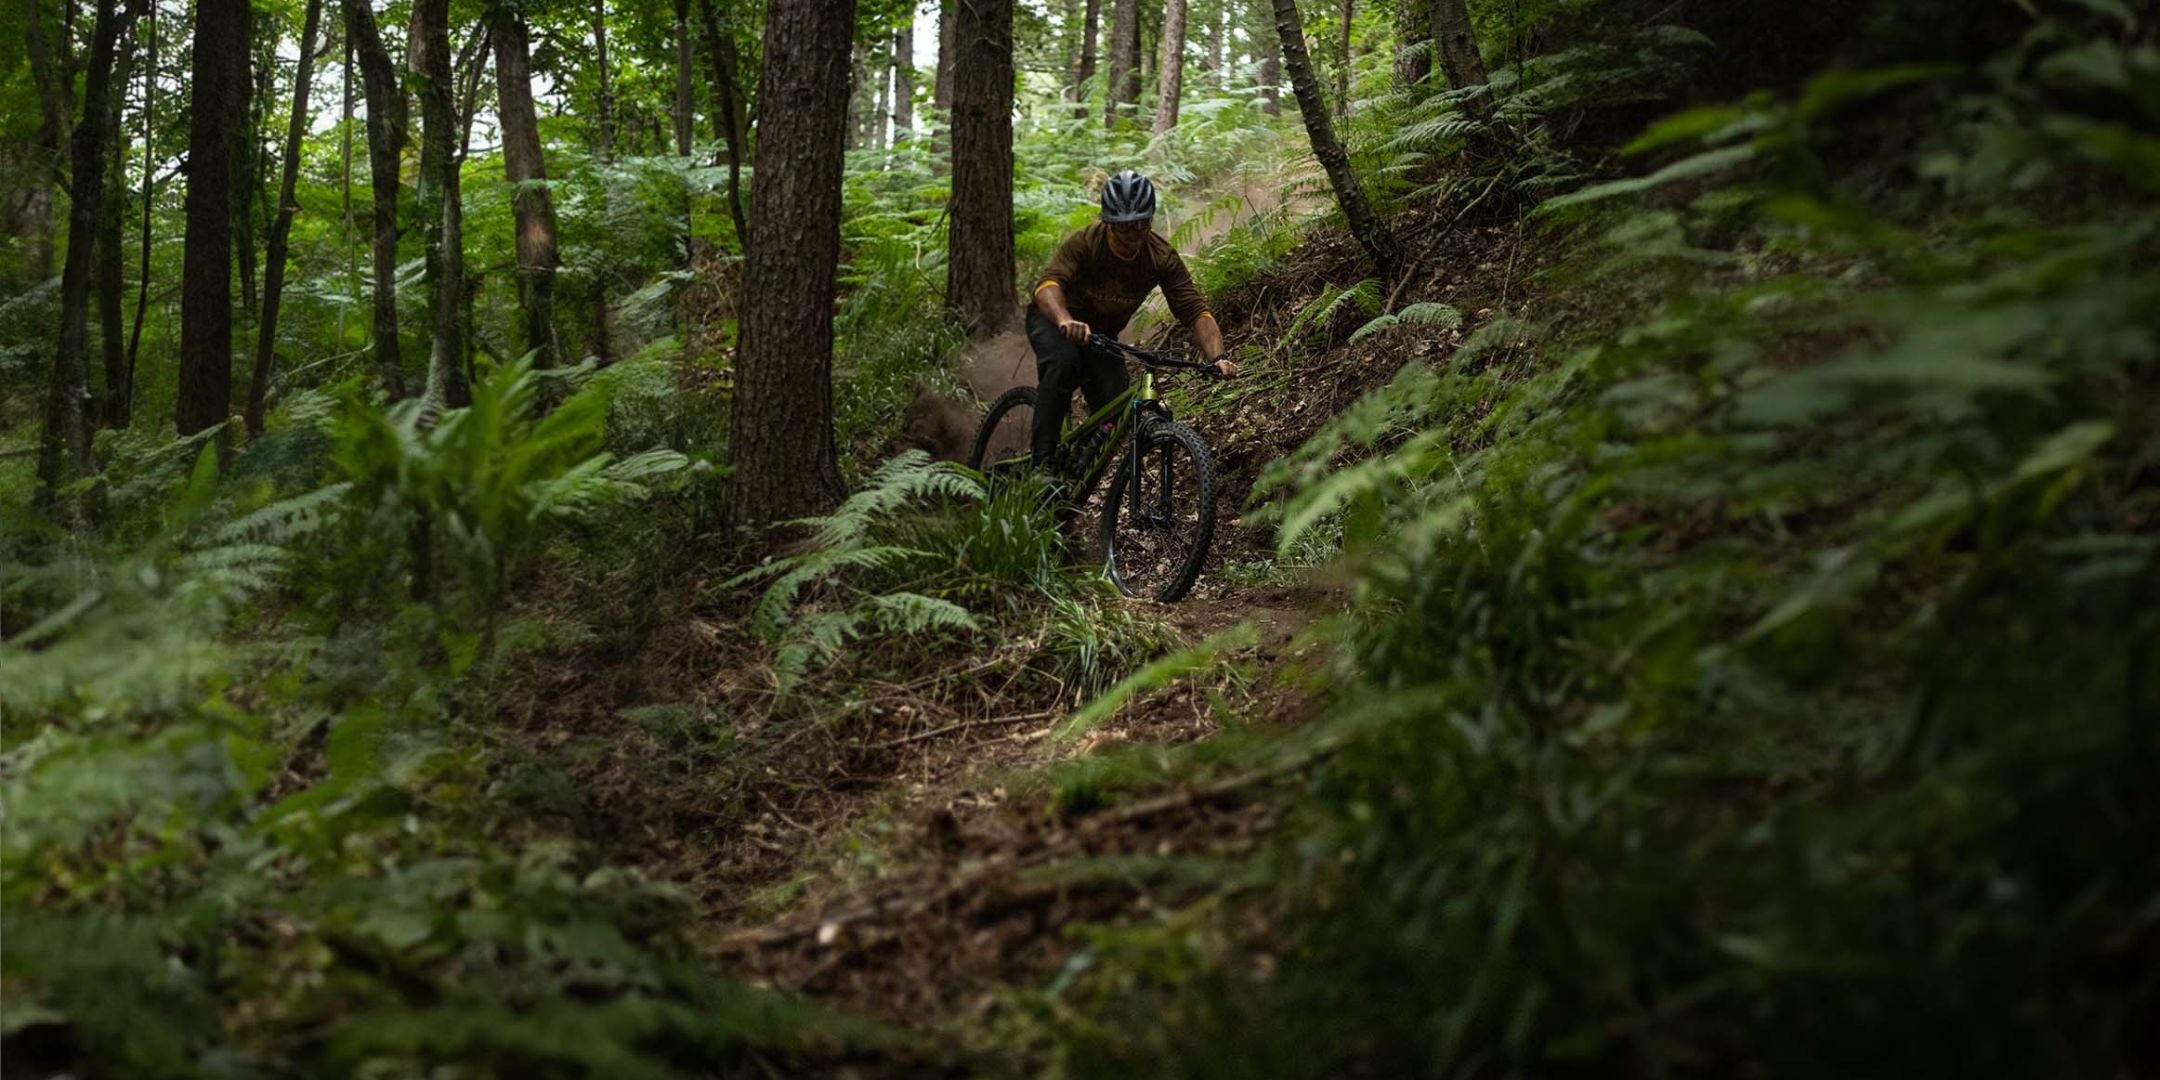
(149, 135)
(281, 226)
(941, 90)
(64, 451)
(386, 146)
(727, 112)
(345, 203)
(1144, 73)
(56, 102)
(247, 196)
(685, 104)
(1123, 92)
(862, 100)
(781, 430)
(880, 99)
(1413, 54)
(428, 55)
(1342, 60)
(472, 61)
(903, 92)
(1084, 69)
(1270, 65)
(215, 118)
(111, 327)
(51, 73)
(525, 165)
(1456, 42)
(979, 266)
(607, 85)
(1371, 233)
(1171, 66)
(603, 343)
(1212, 46)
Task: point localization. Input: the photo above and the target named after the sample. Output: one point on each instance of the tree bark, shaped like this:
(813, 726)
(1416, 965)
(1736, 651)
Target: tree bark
(215, 121)
(941, 90)
(386, 146)
(685, 103)
(111, 327)
(345, 203)
(429, 58)
(56, 103)
(727, 112)
(781, 429)
(979, 265)
(1371, 233)
(247, 196)
(1342, 60)
(281, 226)
(149, 135)
(525, 166)
(1084, 68)
(861, 99)
(1171, 65)
(1123, 93)
(607, 84)
(1456, 42)
(603, 344)
(1270, 64)
(903, 92)
(1413, 53)
(879, 99)
(64, 451)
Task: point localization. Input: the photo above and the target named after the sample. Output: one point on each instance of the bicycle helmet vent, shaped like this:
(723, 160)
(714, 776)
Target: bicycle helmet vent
(1128, 197)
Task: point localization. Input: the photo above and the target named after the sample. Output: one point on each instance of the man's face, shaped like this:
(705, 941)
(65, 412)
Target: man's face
(1125, 235)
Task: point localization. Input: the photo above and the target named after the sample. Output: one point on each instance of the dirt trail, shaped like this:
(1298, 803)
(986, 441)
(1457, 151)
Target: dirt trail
(939, 895)
(925, 848)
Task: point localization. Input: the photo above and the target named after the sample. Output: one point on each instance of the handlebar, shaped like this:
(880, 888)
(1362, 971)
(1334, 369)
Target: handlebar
(1148, 359)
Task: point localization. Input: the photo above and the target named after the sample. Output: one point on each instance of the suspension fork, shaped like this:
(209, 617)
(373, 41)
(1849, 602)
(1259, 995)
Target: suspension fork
(1146, 405)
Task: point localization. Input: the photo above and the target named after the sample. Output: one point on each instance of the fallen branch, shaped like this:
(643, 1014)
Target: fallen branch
(995, 721)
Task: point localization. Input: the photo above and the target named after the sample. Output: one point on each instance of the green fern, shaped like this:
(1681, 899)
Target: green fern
(1420, 314)
(1319, 313)
(845, 561)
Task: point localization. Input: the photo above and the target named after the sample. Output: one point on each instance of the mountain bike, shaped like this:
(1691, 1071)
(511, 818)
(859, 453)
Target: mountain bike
(1158, 516)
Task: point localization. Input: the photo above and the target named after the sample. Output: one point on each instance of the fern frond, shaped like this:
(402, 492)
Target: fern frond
(914, 613)
(287, 519)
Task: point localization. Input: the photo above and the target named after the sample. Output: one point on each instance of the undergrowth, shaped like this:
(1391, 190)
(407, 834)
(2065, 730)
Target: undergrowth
(1758, 685)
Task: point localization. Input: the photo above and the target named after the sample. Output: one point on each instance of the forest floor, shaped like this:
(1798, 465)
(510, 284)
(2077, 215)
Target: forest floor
(927, 851)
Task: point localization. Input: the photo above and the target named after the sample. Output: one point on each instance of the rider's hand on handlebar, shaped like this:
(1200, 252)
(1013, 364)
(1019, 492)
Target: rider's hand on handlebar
(1226, 366)
(1075, 331)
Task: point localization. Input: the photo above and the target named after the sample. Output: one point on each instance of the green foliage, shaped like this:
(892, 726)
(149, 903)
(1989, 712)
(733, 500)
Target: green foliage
(475, 491)
(1318, 315)
(1421, 314)
(1155, 675)
(1089, 646)
(216, 860)
(848, 552)
(1740, 690)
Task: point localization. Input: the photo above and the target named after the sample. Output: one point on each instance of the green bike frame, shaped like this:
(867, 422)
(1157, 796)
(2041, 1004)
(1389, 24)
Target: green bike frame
(1124, 407)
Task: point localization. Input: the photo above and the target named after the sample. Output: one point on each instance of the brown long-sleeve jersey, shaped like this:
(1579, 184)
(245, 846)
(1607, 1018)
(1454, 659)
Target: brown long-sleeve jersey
(1103, 290)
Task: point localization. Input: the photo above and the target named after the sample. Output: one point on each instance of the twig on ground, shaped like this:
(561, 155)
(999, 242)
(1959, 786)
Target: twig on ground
(964, 725)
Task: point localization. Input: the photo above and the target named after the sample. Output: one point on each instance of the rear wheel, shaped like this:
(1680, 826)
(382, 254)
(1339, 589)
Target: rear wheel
(1155, 535)
(1001, 443)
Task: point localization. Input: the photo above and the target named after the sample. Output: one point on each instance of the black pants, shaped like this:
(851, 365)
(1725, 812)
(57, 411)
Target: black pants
(1060, 368)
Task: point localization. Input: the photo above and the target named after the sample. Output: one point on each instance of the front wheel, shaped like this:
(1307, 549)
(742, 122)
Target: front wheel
(1001, 443)
(1159, 518)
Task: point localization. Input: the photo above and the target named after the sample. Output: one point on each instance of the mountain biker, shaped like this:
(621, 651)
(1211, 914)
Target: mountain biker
(1093, 284)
